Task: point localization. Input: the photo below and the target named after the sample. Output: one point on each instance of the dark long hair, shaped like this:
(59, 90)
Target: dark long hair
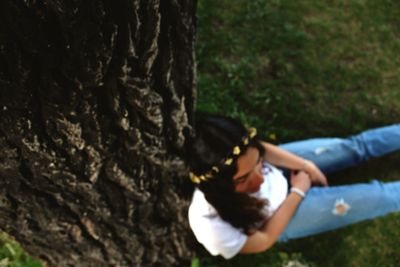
(215, 137)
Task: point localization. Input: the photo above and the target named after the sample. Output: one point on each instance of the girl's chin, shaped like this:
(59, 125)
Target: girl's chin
(256, 188)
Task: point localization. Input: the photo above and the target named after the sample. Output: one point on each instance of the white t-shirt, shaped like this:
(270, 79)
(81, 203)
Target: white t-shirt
(220, 237)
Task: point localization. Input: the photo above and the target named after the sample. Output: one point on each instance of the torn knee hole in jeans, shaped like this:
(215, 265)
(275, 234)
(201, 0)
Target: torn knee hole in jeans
(320, 150)
(340, 207)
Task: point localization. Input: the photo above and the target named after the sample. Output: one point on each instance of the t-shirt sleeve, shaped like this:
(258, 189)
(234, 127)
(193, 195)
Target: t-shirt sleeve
(216, 235)
(219, 237)
(227, 239)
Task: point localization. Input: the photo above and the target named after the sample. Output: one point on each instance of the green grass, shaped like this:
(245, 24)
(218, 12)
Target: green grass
(275, 63)
(300, 69)
(12, 255)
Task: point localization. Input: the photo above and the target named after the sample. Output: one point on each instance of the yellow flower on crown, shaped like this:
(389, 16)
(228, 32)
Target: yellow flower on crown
(228, 161)
(246, 141)
(197, 179)
(252, 132)
(215, 169)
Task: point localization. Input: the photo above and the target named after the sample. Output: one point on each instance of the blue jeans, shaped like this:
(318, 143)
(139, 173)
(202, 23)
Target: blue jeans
(328, 208)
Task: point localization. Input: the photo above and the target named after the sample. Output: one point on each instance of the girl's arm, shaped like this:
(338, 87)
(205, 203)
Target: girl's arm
(282, 158)
(263, 239)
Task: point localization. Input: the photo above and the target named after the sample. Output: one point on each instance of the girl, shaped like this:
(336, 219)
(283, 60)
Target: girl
(244, 204)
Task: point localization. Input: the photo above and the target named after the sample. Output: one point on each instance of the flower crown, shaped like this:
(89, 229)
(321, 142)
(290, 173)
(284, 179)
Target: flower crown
(251, 133)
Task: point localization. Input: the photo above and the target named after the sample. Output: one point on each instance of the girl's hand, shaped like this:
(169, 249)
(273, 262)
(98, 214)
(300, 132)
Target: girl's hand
(316, 176)
(301, 180)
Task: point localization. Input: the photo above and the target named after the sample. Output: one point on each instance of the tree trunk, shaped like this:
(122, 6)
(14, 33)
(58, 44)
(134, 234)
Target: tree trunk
(96, 103)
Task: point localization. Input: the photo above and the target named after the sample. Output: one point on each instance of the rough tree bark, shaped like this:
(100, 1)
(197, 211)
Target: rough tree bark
(96, 101)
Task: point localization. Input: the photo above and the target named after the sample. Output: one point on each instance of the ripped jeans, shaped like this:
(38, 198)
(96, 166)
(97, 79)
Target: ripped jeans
(328, 208)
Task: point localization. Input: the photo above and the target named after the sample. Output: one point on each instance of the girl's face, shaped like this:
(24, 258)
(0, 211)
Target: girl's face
(248, 178)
